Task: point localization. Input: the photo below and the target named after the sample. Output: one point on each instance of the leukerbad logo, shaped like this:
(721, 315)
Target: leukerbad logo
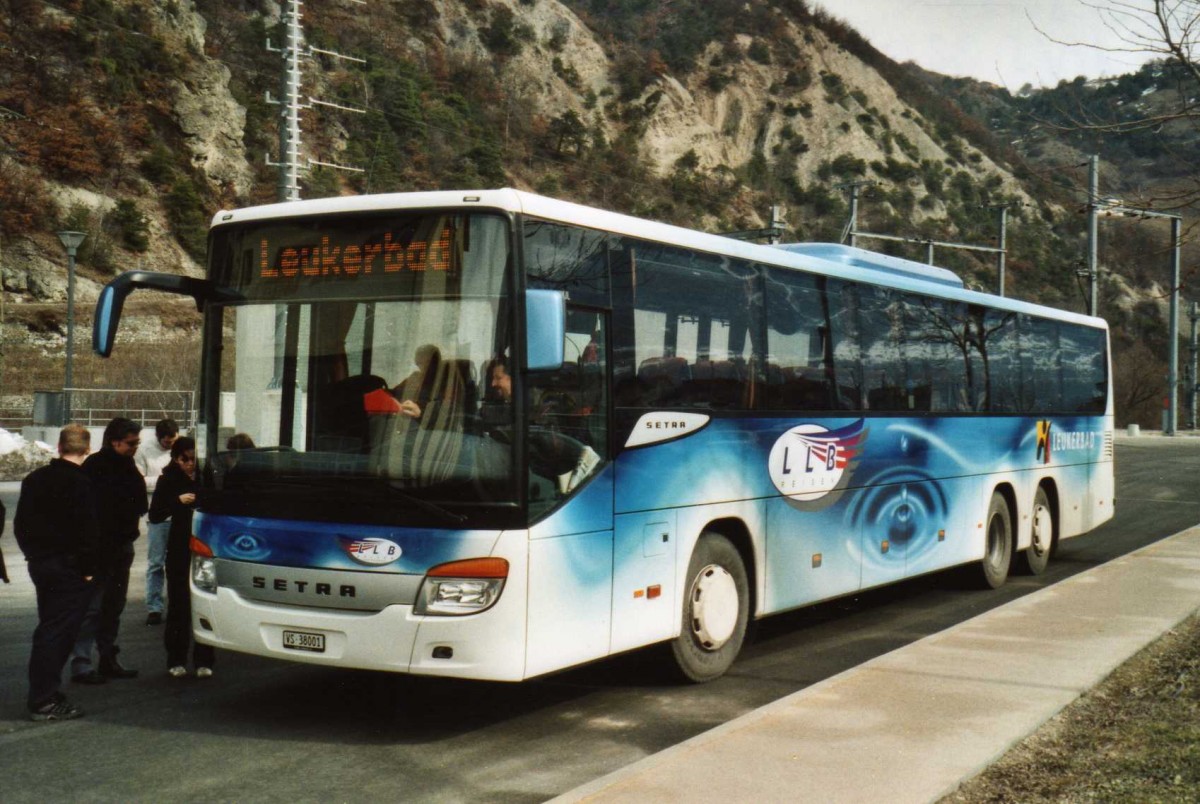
(811, 464)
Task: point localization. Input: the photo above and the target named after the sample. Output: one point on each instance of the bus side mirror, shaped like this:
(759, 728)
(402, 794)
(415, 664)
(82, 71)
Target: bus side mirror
(545, 329)
(104, 323)
(112, 300)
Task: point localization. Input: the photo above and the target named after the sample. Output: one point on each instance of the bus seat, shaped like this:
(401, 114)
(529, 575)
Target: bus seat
(716, 382)
(464, 370)
(662, 379)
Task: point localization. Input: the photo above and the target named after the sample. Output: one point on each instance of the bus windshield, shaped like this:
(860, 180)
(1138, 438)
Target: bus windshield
(354, 372)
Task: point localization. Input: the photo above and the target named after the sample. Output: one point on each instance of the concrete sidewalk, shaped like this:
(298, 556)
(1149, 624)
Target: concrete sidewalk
(913, 724)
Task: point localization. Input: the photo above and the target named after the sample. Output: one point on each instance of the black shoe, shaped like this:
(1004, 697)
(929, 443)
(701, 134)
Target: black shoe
(89, 677)
(112, 668)
(58, 708)
(154, 618)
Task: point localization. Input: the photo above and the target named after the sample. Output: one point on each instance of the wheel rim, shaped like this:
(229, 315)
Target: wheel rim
(1043, 530)
(714, 607)
(996, 539)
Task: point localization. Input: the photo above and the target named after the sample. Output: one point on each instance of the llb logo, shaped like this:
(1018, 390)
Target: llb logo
(371, 551)
(809, 461)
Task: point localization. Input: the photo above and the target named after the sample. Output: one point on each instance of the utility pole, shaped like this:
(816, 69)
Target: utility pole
(776, 225)
(289, 164)
(1092, 232)
(851, 231)
(288, 188)
(1173, 325)
(1194, 315)
(1002, 243)
(1171, 421)
(293, 50)
(71, 242)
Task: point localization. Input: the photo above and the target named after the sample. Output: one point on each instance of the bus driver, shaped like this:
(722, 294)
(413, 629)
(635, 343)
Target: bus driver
(552, 454)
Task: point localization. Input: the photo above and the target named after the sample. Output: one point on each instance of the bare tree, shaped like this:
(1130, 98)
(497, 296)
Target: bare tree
(1167, 30)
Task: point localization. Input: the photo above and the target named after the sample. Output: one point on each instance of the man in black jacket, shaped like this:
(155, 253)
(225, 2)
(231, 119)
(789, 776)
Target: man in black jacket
(56, 530)
(3, 569)
(120, 492)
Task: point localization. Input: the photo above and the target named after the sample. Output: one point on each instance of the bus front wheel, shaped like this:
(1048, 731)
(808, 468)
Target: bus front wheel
(716, 609)
(998, 547)
(1042, 544)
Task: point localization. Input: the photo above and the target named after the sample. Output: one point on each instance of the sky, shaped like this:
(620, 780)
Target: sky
(991, 40)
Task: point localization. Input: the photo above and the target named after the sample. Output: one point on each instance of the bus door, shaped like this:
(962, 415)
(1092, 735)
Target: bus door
(571, 486)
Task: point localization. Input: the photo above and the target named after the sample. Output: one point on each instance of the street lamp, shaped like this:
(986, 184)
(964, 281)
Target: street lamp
(70, 241)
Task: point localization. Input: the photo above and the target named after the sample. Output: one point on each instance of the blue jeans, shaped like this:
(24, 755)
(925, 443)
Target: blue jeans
(156, 557)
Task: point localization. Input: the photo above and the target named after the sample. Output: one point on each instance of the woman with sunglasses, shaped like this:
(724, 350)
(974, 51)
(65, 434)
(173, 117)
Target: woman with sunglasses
(174, 500)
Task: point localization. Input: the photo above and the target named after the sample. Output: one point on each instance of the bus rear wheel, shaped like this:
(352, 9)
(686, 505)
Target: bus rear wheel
(998, 547)
(716, 610)
(1037, 556)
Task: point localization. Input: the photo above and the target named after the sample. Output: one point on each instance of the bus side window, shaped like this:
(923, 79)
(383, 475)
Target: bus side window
(799, 370)
(683, 338)
(881, 329)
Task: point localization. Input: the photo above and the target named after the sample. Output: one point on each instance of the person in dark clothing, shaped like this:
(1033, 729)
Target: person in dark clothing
(3, 569)
(120, 493)
(56, 529)
(174, 500)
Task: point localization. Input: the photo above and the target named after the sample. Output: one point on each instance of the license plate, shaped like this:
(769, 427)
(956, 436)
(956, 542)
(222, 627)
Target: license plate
(302, 640)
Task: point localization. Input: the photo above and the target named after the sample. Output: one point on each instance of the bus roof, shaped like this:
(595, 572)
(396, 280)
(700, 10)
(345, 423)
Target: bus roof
(830, 259)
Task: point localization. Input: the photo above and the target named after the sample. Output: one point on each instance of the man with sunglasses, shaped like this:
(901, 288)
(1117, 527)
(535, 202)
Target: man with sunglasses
(151, 459)
(120, 494)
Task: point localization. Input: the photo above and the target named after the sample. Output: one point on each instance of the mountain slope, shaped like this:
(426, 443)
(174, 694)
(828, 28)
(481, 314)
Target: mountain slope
(135, 121)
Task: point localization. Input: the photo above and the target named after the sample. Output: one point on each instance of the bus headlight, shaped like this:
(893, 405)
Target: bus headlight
(204, 573)
(462, 587)
(204, 566)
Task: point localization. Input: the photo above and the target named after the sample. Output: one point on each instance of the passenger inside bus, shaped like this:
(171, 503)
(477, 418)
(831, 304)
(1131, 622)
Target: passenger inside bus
(416, 390)
(560, 461)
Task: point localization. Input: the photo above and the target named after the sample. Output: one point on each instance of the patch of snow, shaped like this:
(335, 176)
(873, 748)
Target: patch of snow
(19, 457)
(14, 442)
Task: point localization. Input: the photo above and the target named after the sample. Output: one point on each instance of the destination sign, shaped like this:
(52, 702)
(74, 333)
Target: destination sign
(332, 258)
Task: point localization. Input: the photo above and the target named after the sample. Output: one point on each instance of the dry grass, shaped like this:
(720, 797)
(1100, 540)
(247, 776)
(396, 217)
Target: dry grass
(1134, 738)
(158, 348)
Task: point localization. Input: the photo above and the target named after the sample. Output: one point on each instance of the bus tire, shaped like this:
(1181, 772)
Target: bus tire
(716, 610)
(1041, 546)
(998, 543)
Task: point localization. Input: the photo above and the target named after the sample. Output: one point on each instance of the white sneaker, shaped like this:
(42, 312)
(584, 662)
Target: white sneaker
(203, 672)
(588, 461)
(178, 671)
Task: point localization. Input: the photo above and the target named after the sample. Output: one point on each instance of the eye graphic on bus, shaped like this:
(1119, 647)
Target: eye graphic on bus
(249, 547)
(906, 505)
(809, 461)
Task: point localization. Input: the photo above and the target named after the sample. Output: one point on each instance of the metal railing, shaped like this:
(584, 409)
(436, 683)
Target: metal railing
(95, 407)
(14, 418)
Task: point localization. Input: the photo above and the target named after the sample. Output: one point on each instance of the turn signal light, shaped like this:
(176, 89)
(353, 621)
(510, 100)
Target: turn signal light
(200, 548)
(471, 568)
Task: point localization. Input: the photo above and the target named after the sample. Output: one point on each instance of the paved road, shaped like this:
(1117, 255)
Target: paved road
(266, 730)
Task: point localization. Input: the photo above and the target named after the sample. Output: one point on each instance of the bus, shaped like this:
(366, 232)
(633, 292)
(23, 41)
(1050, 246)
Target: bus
(492, 435)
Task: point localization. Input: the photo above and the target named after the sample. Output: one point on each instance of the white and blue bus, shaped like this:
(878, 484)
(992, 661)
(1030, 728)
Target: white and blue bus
(491, 435)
